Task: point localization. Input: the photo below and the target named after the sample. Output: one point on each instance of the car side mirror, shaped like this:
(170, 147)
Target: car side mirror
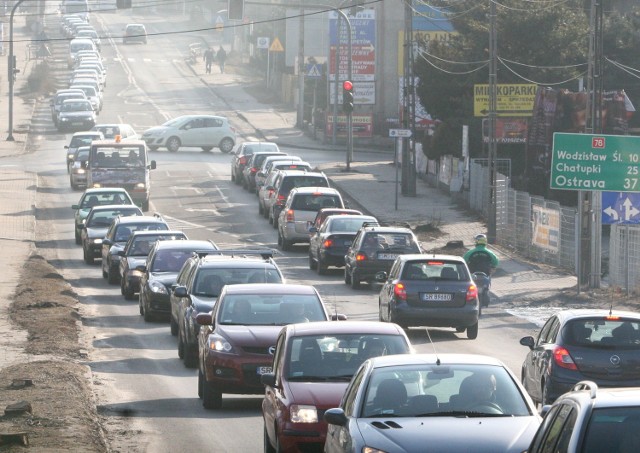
(153, 164)
(381, 277)
(335, 416)
(338, 317)
(141, 268)
(528, 341)
(313, 230)
(75, 207)
(106, 241)
(180, 291)
(268, 379)
(120, 253)
(204, 319)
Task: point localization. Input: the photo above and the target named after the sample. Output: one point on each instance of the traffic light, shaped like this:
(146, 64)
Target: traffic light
(235, 9)
(347, 96)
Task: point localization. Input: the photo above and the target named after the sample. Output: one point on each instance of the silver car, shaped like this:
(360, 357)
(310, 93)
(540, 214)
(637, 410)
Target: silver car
(192, 131)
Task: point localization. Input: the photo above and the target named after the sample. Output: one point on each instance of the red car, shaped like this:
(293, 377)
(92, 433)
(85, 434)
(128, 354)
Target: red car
(238, 340)
(312, 367)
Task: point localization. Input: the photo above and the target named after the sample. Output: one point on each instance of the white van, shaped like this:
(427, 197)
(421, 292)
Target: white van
(78, 44)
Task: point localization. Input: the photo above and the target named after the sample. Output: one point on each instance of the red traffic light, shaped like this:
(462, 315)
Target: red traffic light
(347, 85)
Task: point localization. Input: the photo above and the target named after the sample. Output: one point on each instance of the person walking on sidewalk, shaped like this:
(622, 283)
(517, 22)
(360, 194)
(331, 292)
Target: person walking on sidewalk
(222, 57)
(208, 59)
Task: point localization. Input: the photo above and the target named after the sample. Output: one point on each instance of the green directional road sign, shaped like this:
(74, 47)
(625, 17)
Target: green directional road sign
(595, 162)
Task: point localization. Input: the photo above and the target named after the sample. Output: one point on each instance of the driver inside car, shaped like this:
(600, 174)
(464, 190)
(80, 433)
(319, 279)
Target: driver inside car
(478, 392)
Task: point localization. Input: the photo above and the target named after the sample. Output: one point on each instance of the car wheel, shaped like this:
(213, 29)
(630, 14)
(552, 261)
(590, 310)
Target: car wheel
(148, 317)
(544, 398)
(180, 346)
(347, 276)
(226, 145)
(190, 356)
(174, 327)
(355, 283)
(200, 383)
(173, 144)
(460, 329)
(206, 149)
(153, 148)
(112, 276)
(140, 306)
(127, 291)
(279, 239)
(312, 263)
(211, 398)
(485, 299)
(472, 332)
(322, 268)
(104, 273)
(275, 223)
(88, 258)
(380, 317)
(265, 213)
(268, 448)
(286, 245)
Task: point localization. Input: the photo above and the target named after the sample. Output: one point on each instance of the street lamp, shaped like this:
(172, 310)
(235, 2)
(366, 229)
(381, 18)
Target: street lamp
(336, 81)
(12, 70)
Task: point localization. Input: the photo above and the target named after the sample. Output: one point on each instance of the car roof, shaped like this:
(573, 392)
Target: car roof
(141, 219)
(184, 117)
(238, 261)
(387, 229)
(87, 133)
(311, 189)
(433, 359)
(71, 101)
(187, 244)
(269, 288)
(113, 207)
(566, 315)
(430, 256)
(95, 190)
(342, 327)
(155, 232)
(300, 173)
(349, 216)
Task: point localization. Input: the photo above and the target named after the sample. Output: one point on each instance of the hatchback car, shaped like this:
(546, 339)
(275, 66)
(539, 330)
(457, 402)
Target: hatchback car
(97, 224)
(313, 365)
(76, 114)
(282, 161)
(200, 282)
(589, 419)
(96, 197)
(326, 212)
(284, 182)
(134, 33)
(301, 207)
(602, 346)
(192, 131)
(428, 402)
(374, 249)
(60, 97)
(78, 168)
(238, 340)
(242, 153)
(267, 189)
(116, 238)
(78, 139)
(429, 290)
(329, 243)
(160, 271)
(253, 166)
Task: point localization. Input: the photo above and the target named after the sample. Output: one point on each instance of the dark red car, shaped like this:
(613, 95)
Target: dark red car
(312, 367)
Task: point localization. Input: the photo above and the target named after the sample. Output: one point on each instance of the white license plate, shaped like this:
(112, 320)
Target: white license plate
(387, 256)
(264, 369)
(436, 297)
(77, 123)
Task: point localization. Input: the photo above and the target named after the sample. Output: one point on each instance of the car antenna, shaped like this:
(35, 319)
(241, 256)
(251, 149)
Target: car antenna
(434, 348)
(610, 308)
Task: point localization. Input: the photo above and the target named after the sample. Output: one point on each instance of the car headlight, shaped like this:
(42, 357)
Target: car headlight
(158, 288)
(97, 241)
(70, 156)
(63, 118)
(372, 450)
(79, 171)
(140, 185)
(303, 414)
(219, 344)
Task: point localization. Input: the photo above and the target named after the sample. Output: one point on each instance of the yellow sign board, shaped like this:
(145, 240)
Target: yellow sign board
(276, 46)
(514, 99)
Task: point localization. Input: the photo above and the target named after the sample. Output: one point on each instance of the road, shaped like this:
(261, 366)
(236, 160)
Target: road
(148, 396)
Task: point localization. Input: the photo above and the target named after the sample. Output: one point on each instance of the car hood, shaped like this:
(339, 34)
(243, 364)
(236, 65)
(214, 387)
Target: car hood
(156, 130)
(323, 395)
(135, 261)
(503, 434)
(166, 278)
(250, 335)
(93, 232)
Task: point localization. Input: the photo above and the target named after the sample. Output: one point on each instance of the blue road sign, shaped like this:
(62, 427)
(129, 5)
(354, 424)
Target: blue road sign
(620, 208)
(313, 71)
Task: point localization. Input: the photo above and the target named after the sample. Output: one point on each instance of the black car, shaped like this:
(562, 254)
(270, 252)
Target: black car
(602, 346)
(97, 224)
(76, 114)
(374, 249)
(330, 242)
(241, 156)
(253, 166)
(200, 283)
(431, 291)
(160, 271)
(134, 255)
(117, 236)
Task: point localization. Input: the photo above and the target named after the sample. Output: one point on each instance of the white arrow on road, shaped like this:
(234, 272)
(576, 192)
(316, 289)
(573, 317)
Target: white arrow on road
(611, 213)
(629, 210)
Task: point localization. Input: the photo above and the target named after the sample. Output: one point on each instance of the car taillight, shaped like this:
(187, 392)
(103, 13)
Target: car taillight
(399, 291)
(472, 293)
(280, 200)
(242, 160)
(289, 216)
(327, 243)
(361, 256)
(563, 359)
(271, 192)
(253, 170)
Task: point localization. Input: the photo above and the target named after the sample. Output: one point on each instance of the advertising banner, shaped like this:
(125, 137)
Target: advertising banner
(546, 228)
(363, 41)
(362, 125)
(508, 130)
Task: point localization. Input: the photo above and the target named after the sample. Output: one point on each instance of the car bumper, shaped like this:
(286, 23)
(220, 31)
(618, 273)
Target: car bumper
(94, 250)
(158, 303)
(407, 315)
(367, 271)
(79, 180)
(293, 232)
(133, 282)
(562, 381)
(334, 257)
(232, 374)
(307, 437)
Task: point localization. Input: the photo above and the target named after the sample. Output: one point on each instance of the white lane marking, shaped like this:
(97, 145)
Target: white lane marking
(183, 222)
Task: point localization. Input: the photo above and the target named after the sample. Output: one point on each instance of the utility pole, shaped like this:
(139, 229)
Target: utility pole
(12, 69)
(408, 184)
(300, 116)
(493, 101)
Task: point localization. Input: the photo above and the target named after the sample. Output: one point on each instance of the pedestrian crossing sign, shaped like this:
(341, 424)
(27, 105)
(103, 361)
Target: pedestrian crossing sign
(276, 46)
(313, 72)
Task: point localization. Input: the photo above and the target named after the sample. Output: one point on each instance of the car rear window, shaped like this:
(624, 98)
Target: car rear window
(435, 270)
(397, 242)
(314, 202)
(606, 332)
(209, 282)
(302, 181)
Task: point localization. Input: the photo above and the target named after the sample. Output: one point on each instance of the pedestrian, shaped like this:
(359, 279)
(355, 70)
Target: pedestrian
(222, 56)
(208, 59)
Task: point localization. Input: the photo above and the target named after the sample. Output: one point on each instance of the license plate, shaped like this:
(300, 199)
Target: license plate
(436, 297)
(387, 256)
(264, 369)
(77, 123)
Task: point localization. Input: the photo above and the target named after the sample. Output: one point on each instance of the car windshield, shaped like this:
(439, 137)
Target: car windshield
(342, 225)
(82, 140)
(426, 390)
(337, 357)
(104, 218)
(109, 132)
(431, 269)
(76, 107)
(209, 281)
(142, 245)
(99, 199)
(259, 147)
(603, 332)
(170, 260)
(270, 309)
(315, 201)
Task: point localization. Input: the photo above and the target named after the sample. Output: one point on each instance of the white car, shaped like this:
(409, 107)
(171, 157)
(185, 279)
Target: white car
(194, 131)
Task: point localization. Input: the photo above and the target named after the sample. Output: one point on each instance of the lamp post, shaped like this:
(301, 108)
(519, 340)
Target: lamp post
(12, 68)
(337, 82)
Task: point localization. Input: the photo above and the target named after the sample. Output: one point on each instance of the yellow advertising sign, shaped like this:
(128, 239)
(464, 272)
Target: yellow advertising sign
(514, 99)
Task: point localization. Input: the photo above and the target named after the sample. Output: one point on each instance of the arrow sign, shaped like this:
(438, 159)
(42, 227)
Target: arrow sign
(629, 210)
(612, 213)
(620, 208)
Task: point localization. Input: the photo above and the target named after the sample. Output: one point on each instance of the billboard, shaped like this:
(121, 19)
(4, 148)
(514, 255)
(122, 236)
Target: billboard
(363, 41)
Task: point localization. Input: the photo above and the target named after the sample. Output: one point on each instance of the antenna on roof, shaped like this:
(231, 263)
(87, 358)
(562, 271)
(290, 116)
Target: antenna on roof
(611, 309)
(434, 348)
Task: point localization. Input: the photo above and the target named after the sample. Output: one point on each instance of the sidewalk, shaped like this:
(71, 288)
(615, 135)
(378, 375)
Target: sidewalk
(372, 186)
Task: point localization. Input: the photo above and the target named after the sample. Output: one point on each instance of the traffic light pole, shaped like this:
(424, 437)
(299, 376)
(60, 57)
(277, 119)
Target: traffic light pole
(12, 70)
